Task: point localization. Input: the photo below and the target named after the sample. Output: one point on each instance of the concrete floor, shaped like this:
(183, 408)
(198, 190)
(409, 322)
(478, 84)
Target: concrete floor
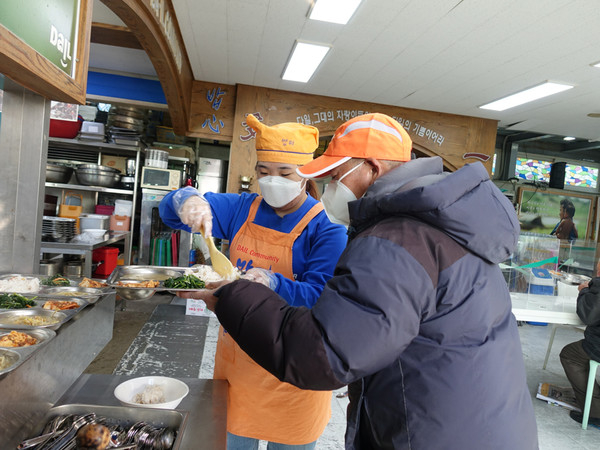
(556, 430)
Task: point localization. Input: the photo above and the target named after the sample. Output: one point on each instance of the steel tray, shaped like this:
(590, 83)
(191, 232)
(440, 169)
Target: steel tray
(33, 297)
(7, 318)
(20, 354)
(143, 273)
(124, 416)
(80, 301)
(91, 295)
(10, 275)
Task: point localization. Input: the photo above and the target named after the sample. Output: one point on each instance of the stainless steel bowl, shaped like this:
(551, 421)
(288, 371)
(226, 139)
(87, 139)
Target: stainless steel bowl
(56, 173)
(134, 294)
(97, 177)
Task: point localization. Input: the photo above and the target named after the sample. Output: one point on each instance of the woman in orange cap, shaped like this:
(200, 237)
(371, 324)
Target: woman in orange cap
(284, 240)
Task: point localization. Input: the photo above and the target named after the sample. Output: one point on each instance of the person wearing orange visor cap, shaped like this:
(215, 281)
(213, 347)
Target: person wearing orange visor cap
(283, 240)
(417, 317)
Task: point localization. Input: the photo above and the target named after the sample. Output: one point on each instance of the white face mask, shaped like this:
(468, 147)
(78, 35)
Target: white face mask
(336, 197)
(279, 191)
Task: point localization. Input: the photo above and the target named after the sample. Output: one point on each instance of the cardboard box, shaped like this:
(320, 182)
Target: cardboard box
(116, 162)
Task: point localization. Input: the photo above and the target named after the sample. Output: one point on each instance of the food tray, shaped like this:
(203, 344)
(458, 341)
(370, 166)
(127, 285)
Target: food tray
(10, 275)
(20, 354)
(136, 274)
(124, 416)
(80, 301)
(91, 295)
(7, 316)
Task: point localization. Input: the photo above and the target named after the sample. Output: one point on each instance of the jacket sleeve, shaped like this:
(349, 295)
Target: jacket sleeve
(284, 340)
(168, 215)
(368, 313)
(322, 250)
(588, 303)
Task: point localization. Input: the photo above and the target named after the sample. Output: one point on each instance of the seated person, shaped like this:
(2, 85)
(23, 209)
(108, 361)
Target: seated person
(575, 357)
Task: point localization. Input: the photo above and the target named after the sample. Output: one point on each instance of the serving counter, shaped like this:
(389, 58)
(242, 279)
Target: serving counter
(29, 391)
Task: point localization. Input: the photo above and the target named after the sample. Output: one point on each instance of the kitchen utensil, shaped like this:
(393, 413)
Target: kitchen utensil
(220, 262)
(173, 390)
(130, 167)
(57, 173)
(97, 176)
(49, 267)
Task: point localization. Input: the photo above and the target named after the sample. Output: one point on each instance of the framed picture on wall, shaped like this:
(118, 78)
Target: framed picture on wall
(539, 210)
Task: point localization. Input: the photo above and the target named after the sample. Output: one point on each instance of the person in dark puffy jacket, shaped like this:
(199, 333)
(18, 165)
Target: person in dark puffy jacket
(417, 317)
(575, 357)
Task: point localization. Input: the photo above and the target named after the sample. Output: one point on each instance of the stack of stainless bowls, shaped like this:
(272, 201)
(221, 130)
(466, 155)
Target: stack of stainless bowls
(57, 173)
(96, 175)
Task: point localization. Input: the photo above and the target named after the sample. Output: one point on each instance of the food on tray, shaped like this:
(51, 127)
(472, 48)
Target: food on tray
(5, 362)
(141, 284)
(185, 282)
(151, 395)
(60, 305)
(56, 280)
(34, 321)
(88, 283)
(146, 276)
(70, 293)
(18, 283)
(15, 301)
(208, 274)
(17, 339)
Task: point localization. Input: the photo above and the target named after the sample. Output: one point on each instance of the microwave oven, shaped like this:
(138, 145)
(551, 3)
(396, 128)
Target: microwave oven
(164, 179)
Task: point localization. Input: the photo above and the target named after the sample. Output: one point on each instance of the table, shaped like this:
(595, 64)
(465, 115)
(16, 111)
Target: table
(545, 308)
(69, 248)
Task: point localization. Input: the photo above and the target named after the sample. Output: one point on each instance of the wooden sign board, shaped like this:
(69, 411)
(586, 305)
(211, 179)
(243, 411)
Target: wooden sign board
(456, 139)
(212, 110)
(44, 46)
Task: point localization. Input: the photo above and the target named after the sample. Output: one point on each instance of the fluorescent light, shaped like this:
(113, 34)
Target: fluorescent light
(568, 138)
(596, 64)
(335, 11)
(528, 95)
(304, 61)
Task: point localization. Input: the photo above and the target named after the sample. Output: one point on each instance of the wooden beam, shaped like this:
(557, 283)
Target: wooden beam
(118, 36)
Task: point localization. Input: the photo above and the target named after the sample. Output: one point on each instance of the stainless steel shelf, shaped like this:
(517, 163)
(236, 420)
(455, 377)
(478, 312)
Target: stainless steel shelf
(81, 187)
(100, 146)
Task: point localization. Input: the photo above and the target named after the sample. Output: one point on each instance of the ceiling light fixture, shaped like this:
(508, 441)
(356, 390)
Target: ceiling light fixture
(528, 95)
(304, 61)
(568, 138)
(596, 64)
(334, 11)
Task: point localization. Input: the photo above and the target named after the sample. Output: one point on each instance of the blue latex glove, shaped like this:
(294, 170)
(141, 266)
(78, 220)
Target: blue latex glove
(262, 276)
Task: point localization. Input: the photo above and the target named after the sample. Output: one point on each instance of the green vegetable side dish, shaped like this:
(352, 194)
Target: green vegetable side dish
(56, 280)
(184, 282)
(15, 301)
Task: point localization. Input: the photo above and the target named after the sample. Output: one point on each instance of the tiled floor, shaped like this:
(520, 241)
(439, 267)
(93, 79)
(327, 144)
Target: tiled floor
(556, 430)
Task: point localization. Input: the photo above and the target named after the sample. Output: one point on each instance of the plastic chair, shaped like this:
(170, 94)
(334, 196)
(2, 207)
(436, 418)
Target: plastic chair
(554, 327)
(589, 392)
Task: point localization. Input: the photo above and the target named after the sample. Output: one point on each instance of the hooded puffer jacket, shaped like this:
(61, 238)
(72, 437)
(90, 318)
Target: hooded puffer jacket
(417, 318)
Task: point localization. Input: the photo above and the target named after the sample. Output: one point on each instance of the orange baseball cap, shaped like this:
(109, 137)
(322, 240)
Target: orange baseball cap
(373, 135)
(289, 142)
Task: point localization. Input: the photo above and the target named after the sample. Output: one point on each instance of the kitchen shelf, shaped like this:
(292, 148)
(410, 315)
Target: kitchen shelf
(81, 187)
(100, 146)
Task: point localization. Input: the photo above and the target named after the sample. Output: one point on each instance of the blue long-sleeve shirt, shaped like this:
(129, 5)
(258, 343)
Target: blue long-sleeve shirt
(314, 254)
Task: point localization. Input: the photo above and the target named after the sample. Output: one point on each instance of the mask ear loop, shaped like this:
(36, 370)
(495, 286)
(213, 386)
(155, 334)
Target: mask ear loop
(350, 171)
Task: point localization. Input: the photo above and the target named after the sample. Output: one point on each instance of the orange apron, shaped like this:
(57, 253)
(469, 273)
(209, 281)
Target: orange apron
(260, 406)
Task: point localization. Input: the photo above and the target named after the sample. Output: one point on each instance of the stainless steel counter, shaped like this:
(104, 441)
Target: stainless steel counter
(87, 249)
(206, 406)
(29, 391)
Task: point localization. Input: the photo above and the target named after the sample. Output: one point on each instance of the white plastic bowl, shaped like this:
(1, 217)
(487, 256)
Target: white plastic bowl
(173, 389)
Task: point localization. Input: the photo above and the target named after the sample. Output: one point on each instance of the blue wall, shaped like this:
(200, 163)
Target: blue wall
(128, 88)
